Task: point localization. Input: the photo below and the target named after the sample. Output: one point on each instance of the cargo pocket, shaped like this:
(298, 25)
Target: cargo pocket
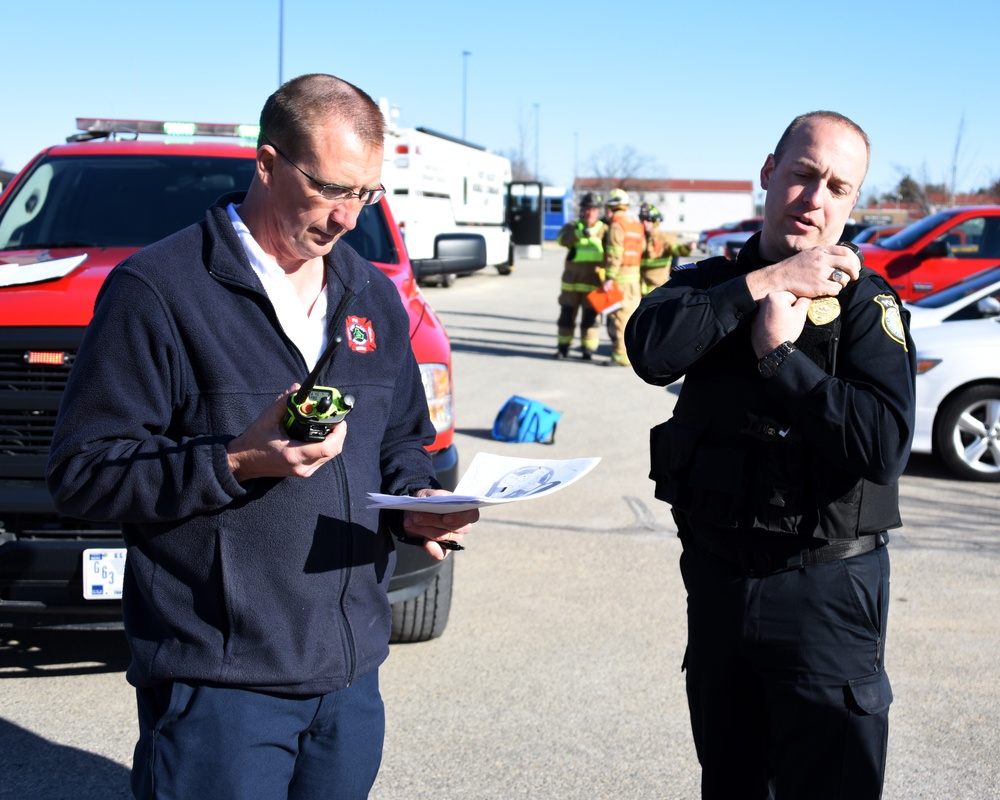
(871, 694)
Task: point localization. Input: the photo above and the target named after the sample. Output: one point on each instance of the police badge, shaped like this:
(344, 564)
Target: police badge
(892, 320)
(823, 310)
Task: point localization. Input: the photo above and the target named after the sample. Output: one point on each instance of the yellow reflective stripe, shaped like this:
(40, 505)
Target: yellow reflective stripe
(586, 288)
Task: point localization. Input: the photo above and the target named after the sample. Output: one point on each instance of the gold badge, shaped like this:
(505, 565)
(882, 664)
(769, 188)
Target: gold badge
(892, 320)
(823, 310)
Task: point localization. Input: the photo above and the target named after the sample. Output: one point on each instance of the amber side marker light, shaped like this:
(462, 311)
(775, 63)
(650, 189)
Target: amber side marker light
(47, 358)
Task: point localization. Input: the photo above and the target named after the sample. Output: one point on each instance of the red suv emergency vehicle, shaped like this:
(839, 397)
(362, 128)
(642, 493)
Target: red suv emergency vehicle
(937, 251)
(75, 211)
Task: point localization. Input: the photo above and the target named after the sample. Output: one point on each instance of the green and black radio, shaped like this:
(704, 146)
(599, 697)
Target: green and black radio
(314, 410)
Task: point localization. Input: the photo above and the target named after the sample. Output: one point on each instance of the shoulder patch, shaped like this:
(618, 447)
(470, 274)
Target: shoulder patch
(892, 320)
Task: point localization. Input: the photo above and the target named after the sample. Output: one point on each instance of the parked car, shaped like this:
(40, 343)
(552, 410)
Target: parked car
(958, 397)
(937, 251)
(751, 224)
(727, 244)
(873, 234)
(975, 297)
(73, 213)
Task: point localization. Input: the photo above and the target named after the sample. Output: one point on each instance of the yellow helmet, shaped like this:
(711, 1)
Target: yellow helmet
(618, 198)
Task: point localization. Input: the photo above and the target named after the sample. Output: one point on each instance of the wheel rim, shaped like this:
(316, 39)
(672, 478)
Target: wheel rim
(976, 436)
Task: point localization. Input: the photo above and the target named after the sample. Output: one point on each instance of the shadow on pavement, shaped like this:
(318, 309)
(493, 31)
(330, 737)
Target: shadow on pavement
(52, 653)
(37, 769)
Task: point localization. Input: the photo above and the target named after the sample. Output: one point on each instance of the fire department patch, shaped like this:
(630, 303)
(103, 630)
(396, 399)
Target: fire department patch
(360, 335)
(892, 320)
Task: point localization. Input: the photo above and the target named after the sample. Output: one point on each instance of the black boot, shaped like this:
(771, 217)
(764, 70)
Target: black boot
(563, 351)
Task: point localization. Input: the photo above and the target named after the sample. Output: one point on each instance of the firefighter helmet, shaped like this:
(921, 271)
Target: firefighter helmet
(618, 198)
(650, 213)
(590, 200)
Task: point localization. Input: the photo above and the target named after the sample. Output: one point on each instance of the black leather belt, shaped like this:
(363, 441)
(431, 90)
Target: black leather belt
(761, 562)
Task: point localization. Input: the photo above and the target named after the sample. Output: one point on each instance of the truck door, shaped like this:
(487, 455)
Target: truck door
(970, 246)
(525, 218)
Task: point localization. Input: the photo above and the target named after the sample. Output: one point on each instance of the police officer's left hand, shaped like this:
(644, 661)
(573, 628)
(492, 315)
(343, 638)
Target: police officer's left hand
(450, 527)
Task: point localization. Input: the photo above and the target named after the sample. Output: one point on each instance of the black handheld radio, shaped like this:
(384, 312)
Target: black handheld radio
(314, 410)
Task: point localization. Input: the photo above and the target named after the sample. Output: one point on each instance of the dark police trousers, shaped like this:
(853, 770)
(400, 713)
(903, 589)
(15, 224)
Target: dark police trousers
(232, 744)
(785, 680)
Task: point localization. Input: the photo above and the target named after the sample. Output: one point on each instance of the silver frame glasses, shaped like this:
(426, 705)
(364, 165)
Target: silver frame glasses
(334, 192)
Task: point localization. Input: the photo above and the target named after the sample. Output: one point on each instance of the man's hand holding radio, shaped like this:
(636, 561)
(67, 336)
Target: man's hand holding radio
(264, 450)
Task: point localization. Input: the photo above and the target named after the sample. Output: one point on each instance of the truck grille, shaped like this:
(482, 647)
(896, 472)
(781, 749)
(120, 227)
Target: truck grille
(26, 433)
(29, 398)
(17, 375)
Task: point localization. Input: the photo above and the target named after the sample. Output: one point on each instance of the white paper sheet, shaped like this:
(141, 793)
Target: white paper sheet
(492, 480)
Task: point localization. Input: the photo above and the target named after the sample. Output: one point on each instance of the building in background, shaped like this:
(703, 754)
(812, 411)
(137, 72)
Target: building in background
(688, 205)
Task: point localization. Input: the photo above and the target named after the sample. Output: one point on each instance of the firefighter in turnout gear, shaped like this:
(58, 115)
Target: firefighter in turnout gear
(581, 275)
(623, 247)
(660, 252)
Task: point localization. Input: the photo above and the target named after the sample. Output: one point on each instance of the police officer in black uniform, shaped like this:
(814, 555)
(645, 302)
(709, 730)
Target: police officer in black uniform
(780, 463)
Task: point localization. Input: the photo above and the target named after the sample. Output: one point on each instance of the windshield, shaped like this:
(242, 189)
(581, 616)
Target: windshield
(912, 233)
(116, 201)
(959, 290)
(370, 236)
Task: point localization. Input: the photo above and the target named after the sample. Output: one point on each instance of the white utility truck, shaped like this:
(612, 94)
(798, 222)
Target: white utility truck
(438, 184)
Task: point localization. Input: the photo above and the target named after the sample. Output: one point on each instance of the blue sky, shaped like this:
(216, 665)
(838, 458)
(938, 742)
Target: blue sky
(702, 89)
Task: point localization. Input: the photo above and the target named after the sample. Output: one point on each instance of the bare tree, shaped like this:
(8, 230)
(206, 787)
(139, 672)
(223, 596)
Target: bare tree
(520, 169)
(618, 168)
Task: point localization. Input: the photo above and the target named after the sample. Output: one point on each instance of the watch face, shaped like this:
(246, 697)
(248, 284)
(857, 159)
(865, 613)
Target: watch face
(767, 367)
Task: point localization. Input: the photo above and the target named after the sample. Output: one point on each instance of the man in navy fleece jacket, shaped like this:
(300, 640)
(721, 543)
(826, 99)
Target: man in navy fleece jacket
(255, 594)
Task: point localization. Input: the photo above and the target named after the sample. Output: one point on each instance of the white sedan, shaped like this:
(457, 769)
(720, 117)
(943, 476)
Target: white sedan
(958, 396)
(974, 297)
(727, 244)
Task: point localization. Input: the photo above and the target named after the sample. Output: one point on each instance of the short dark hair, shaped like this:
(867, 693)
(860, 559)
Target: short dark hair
(305, 103)
(829, 116)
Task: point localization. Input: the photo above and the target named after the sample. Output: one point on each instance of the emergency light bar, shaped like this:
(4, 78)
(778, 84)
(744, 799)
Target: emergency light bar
(99, 128)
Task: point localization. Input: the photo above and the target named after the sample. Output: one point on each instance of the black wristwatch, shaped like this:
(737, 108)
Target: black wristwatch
(769, 364)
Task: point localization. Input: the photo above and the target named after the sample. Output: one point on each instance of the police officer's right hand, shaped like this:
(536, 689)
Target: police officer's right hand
(264, 450)
(809, 273)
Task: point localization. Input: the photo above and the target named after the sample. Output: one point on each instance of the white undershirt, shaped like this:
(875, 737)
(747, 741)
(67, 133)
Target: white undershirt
(306, 329)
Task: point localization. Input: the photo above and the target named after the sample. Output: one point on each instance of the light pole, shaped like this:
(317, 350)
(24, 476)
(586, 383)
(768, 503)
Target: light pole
(281, 39)
(465, 60)
(536, 141)
(576, 158)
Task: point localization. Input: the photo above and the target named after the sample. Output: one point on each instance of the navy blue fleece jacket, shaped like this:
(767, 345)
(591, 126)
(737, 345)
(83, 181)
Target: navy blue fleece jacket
(272, 584)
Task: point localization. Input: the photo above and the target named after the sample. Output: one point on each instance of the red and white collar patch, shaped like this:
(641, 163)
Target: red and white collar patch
(360, 335)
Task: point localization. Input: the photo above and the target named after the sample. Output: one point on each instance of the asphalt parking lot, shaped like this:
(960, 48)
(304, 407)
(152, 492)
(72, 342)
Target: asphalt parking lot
(559, 675)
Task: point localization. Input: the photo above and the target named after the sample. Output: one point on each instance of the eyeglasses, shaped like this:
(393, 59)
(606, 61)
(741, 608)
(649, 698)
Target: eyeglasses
(331, 191)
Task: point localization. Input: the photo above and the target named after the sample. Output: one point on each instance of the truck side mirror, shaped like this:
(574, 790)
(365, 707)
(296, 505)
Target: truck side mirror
(936, 249)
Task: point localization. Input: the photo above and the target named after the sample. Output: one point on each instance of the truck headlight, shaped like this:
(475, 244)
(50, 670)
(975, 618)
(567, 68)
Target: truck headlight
(437, 389)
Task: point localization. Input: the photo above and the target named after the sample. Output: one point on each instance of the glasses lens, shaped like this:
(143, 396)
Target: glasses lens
(330, 191)
(374, 196)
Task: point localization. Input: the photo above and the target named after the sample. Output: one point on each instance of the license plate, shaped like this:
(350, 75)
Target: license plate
(103, 573)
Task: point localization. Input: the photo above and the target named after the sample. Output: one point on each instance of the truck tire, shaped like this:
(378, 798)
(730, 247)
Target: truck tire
(425, 616)
(506, 269)
(448, 280)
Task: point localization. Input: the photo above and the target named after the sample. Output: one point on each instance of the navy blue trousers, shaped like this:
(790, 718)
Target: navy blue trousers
(233, 744)
(786, 684)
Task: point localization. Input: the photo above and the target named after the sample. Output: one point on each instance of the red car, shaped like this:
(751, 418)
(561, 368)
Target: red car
(73, 213)
(751, 224)
(937, 251)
